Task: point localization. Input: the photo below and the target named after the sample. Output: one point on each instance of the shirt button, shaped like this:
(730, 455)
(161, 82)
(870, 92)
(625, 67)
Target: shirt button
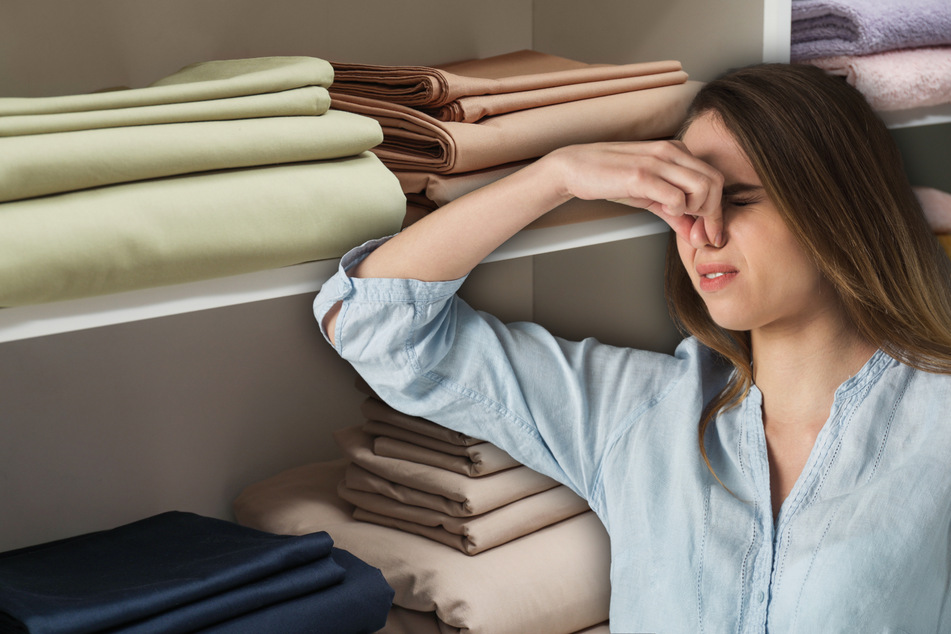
(760, 596)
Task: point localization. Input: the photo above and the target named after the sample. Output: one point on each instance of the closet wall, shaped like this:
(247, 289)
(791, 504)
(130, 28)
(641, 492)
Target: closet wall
(107, 425)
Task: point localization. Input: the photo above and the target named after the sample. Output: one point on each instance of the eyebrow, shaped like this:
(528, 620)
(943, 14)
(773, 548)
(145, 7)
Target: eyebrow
(740, 188)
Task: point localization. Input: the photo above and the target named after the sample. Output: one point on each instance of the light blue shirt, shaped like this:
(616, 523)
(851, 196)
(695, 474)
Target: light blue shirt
(861, 543)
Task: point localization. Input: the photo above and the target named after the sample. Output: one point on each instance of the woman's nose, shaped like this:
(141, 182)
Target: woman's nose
(698, 236)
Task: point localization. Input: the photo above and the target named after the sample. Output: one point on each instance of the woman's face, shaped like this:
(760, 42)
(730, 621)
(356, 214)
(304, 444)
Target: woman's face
(759, 278)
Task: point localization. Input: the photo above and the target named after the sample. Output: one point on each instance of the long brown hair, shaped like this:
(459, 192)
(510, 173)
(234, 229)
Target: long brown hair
(835, 174)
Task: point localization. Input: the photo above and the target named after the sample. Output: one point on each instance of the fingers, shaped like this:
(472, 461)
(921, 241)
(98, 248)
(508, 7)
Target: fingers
(660, 176)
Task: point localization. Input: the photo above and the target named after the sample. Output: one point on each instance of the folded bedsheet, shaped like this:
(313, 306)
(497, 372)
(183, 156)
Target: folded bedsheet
(306, 101)
(470, 535)
(413, 140)
(173, 572)
(898, 79)
(554, 581)
(203, 81)
(37, 165)
(823, 28)
(472, 495)
(358, 604)
(192, 227)
(474, 89)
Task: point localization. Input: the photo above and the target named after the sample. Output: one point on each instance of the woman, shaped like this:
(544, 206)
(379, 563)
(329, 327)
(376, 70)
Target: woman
(818, 305)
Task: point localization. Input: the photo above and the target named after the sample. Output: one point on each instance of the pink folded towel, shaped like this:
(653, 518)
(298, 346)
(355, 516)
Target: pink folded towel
(899, 79)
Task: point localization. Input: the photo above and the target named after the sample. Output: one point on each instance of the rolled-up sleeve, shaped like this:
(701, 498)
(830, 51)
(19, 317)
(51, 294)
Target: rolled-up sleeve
(552, 404)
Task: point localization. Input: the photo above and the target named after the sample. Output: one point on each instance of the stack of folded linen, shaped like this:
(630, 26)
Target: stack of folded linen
(470, 539)
(898, 54)
(452, 128)
(224, 167)
(411, 474)
(552, 581)
(181, 572)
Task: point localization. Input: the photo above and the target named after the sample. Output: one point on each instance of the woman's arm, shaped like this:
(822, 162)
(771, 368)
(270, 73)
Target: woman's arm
(660, 176)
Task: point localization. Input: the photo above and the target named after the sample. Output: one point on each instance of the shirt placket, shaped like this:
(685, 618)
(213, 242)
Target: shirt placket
(761, 567)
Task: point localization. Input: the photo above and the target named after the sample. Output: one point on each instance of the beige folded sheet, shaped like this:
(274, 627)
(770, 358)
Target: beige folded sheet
(218, 79)
(471, 90)
(193, 227)
(473, 461)
(413, 140)
(474, 495)
(37, 165)
(554, 581)
(471, 535)
(403, 621)
(376, 410)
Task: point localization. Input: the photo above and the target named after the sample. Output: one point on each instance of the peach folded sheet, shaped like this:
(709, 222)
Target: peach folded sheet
(474, 89)
(414, 140)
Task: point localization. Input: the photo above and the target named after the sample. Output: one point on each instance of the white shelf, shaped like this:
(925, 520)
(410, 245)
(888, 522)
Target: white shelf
(917, 116)
(25, 322)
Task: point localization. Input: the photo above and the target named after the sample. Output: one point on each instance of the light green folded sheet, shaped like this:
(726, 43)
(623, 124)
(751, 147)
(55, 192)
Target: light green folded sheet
(37, 165)
(204, 81)
(193, 227)
(309, 100)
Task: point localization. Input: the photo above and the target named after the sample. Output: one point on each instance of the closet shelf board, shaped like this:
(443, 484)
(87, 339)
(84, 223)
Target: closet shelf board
(918, 116)
(25, 322)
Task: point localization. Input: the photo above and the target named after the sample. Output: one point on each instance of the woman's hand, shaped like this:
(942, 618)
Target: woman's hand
(659, 176)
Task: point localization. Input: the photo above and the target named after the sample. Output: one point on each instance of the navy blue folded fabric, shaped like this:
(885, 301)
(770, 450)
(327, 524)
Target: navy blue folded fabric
(358, 605)
(122, 578)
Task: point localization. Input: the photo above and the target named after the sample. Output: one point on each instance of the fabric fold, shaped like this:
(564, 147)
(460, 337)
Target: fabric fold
(823, 28)
(525, 71)
(38, 165)
(192, 227)
(898, 79)
(475, 495)
(413, 140)
(473, 461)
(305, 101)
(150, 568)
(359, 603)
(376, 410)
(554, 581)
(471, 535)
(218, 79)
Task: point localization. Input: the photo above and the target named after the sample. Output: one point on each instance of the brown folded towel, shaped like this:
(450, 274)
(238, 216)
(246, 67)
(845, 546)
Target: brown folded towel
(413, 140)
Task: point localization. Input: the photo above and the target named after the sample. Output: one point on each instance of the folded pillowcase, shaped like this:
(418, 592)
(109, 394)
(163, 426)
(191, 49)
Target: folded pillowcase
(473, 460)
(470, 535)
(475, 495)
(376, 410)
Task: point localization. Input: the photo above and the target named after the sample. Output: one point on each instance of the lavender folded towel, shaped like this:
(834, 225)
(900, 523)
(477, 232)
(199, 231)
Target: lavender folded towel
(822, 28)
